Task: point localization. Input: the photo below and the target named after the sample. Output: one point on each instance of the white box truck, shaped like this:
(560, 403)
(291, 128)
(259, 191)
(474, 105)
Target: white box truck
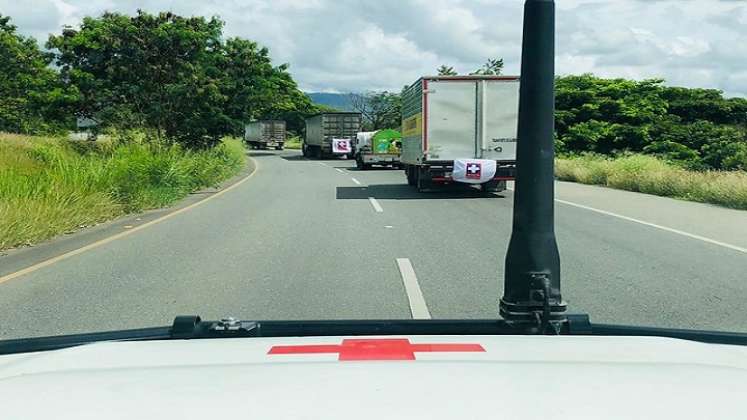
(331, 134)
(458, 119)
(265, 134)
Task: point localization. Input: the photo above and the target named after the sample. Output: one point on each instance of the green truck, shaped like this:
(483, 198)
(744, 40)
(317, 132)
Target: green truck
(380, 147)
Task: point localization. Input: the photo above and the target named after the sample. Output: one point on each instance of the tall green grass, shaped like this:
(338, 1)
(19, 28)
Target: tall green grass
(650, 175)
(49, 186)
(293, 143)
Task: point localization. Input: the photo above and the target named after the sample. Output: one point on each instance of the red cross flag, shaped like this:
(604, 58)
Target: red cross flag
(474, 171)
(340, 146)
(375, 349)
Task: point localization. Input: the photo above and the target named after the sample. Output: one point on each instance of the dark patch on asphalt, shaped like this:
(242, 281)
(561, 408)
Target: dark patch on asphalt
(261, 154)
(371, 169)
(295, 158)
(406, 192)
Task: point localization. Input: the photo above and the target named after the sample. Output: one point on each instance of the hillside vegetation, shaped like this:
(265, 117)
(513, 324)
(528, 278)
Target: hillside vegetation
(697, 129)
(49, 185)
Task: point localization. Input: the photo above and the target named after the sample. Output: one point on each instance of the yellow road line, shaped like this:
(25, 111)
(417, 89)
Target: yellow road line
(120, 235)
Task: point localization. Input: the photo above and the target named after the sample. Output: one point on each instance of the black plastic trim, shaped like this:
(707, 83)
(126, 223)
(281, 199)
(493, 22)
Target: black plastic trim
(190, 327)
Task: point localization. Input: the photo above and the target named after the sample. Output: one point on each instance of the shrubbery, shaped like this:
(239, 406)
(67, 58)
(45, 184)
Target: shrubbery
(49, 185)
(697, 128)
(650, 175)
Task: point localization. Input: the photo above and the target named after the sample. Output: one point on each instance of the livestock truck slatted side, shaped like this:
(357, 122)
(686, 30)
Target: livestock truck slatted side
(322, 129)
(265, 134)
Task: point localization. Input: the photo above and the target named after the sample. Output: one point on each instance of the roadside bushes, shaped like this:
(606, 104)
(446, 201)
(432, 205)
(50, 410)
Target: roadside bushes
(293, 143)
(697, 128)
(50, 185)
(650, 175)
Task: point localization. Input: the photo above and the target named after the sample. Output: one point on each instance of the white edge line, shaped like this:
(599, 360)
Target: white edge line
(418, 308)
(339, 170)
(375, 205)
(654, 225)
(322, 163)
(356, 181)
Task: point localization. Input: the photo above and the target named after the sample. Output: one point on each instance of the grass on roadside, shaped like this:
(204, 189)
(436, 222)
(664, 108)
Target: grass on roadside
(293, 143)
(650, 175)
(50, 186)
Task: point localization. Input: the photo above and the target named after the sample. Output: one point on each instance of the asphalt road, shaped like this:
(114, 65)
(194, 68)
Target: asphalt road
(302, 239)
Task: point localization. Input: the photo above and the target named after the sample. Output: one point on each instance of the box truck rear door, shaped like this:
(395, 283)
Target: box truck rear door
(499, 118)
(451, 119)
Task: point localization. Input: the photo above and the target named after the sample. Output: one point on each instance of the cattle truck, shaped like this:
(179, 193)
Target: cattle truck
(464, 120)
(265, 134)
(331, 134)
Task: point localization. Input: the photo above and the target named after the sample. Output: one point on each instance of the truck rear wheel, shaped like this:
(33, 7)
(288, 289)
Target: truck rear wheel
(422, 180)
(493, 186)
(279, 147)
(361, 164)
(410, 173)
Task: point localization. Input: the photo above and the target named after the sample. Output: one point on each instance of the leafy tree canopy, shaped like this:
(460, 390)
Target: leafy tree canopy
(175, 76)
(32, 99)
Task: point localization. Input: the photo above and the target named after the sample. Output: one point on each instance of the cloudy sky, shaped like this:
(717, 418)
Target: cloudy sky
(346, 45)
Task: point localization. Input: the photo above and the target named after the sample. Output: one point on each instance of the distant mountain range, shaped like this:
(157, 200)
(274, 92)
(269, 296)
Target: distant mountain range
(340, 101)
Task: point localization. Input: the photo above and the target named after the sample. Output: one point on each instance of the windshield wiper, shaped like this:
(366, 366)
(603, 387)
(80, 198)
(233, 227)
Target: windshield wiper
(192, 327)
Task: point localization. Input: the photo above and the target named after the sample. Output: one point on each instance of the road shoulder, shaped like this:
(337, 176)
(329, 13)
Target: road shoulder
(707, 220)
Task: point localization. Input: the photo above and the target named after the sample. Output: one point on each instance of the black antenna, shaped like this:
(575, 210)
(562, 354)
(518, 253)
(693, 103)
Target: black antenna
(531, 295)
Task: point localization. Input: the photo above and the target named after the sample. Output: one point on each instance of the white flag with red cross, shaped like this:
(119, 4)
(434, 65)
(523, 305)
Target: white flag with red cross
(341, 146)
(473, 171)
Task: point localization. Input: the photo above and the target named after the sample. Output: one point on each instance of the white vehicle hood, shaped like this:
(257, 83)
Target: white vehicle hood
(512, 377)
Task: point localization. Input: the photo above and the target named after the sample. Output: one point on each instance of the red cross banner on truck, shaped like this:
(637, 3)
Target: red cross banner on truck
(341, 146)
(473, 171)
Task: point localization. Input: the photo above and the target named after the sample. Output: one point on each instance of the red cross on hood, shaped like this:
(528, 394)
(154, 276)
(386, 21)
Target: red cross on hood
(375, 349)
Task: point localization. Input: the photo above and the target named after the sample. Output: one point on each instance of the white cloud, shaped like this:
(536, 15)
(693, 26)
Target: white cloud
(341, 45)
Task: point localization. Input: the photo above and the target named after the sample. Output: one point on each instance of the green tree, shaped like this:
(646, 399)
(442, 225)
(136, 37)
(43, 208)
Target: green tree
(445, 70)
(32, 98)
(174, 76)
(288, 102)
(494, 66)
(156, 71)
(697, 127)
(254, 89)
(705, 104)
(380, 110)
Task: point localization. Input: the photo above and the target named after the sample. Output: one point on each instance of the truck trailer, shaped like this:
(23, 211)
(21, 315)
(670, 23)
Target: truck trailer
(265, 134)
(331, 134)
(460, 129)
